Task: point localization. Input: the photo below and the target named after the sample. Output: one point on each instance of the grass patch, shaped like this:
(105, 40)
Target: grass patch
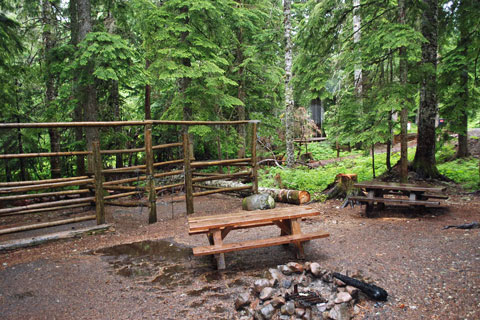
(316, 180)
(462, 171)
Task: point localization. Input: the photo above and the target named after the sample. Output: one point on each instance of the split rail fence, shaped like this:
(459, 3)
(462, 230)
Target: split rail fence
(94, 189)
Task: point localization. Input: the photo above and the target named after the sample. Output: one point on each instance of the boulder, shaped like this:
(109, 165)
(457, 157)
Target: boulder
(343, 297)
(242, 300)
(258, 202)
(266, 293)
(340, 312)
(267, 311)
(315, 269)
(260, 284)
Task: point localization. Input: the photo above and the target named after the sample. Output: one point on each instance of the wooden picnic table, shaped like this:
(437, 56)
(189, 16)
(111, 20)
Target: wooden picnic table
(218, 227)
(416, 195)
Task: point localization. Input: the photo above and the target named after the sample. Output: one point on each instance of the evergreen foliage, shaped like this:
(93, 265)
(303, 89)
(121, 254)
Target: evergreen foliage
(224, 60)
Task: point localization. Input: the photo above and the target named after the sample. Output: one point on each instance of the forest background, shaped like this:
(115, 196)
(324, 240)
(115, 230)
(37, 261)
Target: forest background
(364, 62)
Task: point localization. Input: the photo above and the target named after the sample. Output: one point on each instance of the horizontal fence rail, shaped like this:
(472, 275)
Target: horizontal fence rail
(138, 180)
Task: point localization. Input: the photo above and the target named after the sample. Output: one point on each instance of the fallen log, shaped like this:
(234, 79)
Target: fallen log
(279, 195)
(29, 242)
(46, 224)
(287, 196)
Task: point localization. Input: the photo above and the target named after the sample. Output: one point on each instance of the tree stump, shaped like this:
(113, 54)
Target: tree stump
(342, 187)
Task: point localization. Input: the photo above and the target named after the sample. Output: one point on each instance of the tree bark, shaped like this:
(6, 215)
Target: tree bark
(357, 23)
(424, 163)
(148, 111)
(184, 83)
(23, 172)
(88, 89)
(242, 133)
(288, 84)
(50, 90)
(78, 110)
(115, 101)
(373, 160)
(403, 74)
(464, 43)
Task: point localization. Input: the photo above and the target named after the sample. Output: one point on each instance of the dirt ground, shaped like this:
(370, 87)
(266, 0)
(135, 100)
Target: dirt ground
(141, 271)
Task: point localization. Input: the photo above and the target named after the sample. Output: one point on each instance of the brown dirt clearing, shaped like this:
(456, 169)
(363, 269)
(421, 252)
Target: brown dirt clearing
(429, 273)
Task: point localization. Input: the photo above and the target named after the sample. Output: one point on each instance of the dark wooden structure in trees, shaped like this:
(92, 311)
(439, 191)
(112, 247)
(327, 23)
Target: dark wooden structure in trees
(94, 189)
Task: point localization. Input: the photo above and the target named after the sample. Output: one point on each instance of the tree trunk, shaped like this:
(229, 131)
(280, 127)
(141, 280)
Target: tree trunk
(462, 150)
(464, 43)
(23, 173)
(50, 90)
(78, 110)
(8, 172)
(88, 90)
(242, 133)
(148, 111)
(388, 161)
(424, 163)
(115, 101)
(184, 83)
(357, 24)
(373, 160)
(288, 84)
(403, 73)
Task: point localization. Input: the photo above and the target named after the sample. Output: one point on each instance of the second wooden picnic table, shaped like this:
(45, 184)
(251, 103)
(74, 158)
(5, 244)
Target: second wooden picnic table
(416, 195)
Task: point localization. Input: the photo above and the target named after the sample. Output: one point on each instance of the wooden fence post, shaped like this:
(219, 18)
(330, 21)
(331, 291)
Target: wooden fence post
(254, 158)
(150, 186)
(187, 168)
(98, 181)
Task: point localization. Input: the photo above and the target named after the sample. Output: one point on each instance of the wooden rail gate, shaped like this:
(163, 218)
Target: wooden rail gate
(91, 188)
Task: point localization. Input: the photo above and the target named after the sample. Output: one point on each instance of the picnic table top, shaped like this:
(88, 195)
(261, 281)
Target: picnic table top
(397, 186)
(244, 218)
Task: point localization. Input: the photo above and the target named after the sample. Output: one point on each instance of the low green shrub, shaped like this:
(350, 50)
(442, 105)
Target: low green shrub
(462, 171)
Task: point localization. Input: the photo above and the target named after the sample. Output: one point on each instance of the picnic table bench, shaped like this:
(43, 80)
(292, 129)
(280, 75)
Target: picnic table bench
(416, 195)
(218, 227)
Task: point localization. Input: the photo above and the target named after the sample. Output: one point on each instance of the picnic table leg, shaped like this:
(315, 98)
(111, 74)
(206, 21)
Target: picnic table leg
(295, 226)
(285, 229)
(369, 206)
(379, 194)
(414, 196)
(215, 238)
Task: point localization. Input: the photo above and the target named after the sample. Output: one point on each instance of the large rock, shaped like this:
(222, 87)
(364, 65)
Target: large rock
(267, 311)
(277, 301)
(242, 300)
(266, 293)
(260, 284)
(258, 202)
(315, 269)
(285, 269)
(353, 291)
(340, 312)
(295, 267)
(288, 308)
(277, 275)
(343, 297)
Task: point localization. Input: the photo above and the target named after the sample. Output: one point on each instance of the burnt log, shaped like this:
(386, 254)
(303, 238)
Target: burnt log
(371, 290)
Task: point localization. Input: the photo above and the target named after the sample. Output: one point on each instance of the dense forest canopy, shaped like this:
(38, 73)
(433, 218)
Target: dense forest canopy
(371, 65)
